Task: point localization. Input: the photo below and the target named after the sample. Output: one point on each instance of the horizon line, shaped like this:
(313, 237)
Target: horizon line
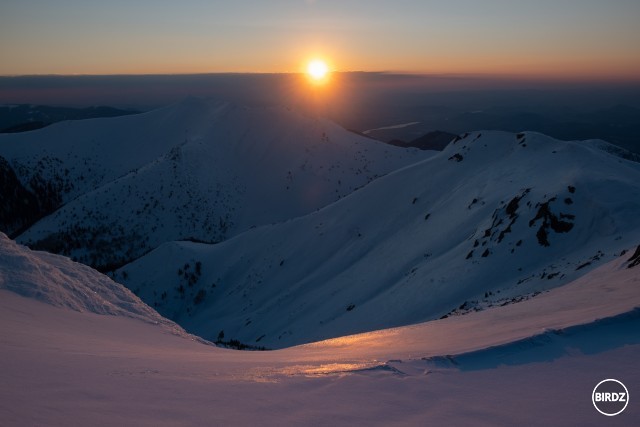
(400, 73)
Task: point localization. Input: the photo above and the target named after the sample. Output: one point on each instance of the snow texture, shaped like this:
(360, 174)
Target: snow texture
(60, 282)
(532, 363)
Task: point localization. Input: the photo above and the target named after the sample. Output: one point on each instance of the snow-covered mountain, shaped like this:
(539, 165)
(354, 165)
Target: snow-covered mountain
(300, 255)
(200, 170)
(493, 219)
(533, 362)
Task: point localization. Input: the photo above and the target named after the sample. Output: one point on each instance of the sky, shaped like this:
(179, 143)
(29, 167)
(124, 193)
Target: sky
(576, 39)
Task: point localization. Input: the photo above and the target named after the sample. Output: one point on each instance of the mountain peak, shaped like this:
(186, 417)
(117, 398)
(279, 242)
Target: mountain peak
(202, 170)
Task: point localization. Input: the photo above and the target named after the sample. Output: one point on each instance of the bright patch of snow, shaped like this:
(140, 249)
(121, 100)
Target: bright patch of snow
(60, 282)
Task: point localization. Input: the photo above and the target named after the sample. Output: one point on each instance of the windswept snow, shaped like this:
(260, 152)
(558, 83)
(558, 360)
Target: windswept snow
(60, 282)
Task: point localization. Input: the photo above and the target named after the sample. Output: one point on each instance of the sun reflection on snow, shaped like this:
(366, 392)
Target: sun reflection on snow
(328, 369)
(361, 340)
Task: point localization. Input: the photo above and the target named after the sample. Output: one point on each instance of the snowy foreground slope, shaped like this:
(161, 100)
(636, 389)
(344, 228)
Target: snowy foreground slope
(493, 219)
(60, 282)
(532, 363)
(201, 170)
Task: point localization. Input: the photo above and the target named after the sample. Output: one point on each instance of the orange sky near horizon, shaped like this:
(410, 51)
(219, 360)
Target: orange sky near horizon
(564, 39)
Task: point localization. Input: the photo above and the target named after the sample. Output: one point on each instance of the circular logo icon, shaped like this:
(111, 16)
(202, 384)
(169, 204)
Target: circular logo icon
(610, 397)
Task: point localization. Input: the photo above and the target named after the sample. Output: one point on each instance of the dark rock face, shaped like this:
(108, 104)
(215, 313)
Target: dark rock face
(550, 221)
(634, 261)
(20, 207)
(38, 192)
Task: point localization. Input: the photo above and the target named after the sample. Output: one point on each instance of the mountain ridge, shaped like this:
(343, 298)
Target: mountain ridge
(427, 238)
(201, 169)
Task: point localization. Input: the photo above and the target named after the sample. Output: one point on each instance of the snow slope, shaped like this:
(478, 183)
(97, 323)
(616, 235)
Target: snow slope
(532, 363)
(200, 170)
(495, 218)
(60, 282)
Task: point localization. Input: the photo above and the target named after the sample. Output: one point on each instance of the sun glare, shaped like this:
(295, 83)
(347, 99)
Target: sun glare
(317, 69)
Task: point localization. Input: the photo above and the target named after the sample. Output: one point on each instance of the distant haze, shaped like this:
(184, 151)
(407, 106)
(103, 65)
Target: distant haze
(360, 100)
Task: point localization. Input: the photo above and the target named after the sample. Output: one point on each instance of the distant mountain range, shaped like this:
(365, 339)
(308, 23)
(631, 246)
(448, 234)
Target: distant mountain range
(618, 125)
(435, 140)
(26, 117)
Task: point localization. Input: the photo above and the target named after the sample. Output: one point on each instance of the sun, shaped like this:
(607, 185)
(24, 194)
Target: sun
(317, 70)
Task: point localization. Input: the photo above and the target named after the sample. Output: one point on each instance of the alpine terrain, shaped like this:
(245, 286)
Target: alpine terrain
(493, 219)
(106, 191)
